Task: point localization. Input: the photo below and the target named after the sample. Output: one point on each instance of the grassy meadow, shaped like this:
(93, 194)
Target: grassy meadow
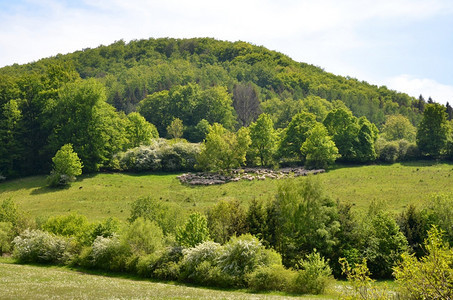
(50, 282)
(102, 195)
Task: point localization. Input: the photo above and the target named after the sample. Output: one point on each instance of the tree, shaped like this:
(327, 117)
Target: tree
(295, 135)
(398, 127)
(342, 127)
(175, 129)
(222, 149)
(432, 133)
(306, 219)
(319, 149)
(263, 137)
(139, 131)
(83, 118)
(449, 111)
(194, 232)
(226, 219)
(430, 277)
(10, 145)
(66, 166)
(246, 103)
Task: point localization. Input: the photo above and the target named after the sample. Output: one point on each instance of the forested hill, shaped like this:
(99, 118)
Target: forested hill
(131, 71)
(89, 98)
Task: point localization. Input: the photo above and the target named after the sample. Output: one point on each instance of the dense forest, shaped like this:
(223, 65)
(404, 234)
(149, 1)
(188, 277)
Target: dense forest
(90, 98)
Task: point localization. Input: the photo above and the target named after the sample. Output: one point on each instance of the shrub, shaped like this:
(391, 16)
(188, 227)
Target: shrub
(314, 275)
(161, 155)
(225, 219)
(199, 260)
(431, 277)
(194, 232)
(242, 255)
(167, 266)
(166, 215)
(41, 247)
(6, 237)
(271, 278)
(72, 225)
(109, 253)
(106, 228)
(143, 236)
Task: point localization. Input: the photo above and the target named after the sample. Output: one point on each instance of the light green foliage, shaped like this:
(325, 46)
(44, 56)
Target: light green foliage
(295, 135)
(438, 210)
(11, 213)
(225, 219)
(272, 278)
(430, 277)
(383, 243)
(175, 129)
(307, 219)
(398, 127)
(38, 246)
(433, 130)
(164, 214)
(143, 236)
(263, 139)
(6, 237)
(314, 275)
(358, 276)
(194, 231)
(319, 149)
(73, 225)
(139, 131)
(66, 166)
(223, 150)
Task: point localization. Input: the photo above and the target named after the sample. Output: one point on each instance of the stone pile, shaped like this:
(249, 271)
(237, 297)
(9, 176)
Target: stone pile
(204, 178)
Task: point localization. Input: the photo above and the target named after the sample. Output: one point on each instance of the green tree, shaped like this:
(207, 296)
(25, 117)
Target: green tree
(319, 149)
(306, 219)
(83, 118)
(342, 127)
(226, 219)
(398, 127)
(10, 146)
(195, 231)
(430, 277)
(263, 137)
(139, 131)
(384, 244)
(66, 166)
(432, 133)
(295, 135)
(222, 149)
(175, 129)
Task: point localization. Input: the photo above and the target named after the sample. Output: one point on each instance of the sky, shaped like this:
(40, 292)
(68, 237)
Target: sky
(406, 45)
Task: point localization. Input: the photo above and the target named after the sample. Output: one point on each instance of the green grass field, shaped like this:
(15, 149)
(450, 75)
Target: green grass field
(46, 282)
(103, 195)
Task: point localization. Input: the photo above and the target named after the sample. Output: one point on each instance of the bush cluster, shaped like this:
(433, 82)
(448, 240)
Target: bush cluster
(161, 155)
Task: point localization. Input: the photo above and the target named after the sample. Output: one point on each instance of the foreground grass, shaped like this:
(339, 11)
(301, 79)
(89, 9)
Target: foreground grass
(44, 282)
(102, 195)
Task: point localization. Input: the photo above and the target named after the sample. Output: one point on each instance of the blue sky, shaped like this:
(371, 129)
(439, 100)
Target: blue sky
(406, 45)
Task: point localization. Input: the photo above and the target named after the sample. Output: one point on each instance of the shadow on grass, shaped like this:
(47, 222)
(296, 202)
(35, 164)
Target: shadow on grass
(47, 190)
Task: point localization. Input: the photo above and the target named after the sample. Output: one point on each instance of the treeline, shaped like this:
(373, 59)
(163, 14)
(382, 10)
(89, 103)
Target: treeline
(293, 242)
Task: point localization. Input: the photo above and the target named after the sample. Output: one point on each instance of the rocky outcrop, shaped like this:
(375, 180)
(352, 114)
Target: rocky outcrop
(204, 178)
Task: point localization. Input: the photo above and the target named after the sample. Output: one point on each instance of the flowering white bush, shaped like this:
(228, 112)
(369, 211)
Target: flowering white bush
(41, 246)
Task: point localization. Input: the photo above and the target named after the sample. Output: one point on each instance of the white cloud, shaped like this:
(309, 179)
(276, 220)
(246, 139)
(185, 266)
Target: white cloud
(440, 93)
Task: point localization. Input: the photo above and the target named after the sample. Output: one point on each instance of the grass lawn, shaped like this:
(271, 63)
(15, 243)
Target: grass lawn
(48, 282)
(102, 195)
